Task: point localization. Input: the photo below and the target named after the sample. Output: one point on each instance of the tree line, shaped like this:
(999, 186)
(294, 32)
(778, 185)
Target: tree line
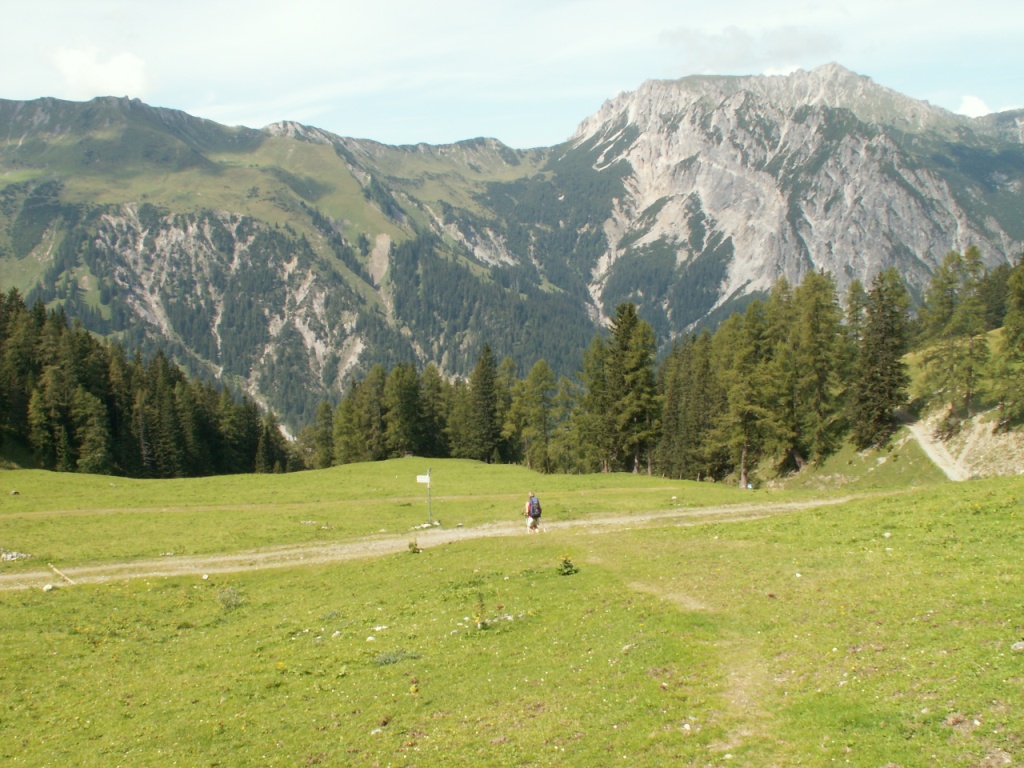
(781, 384)
(784, 383)
(82, 405)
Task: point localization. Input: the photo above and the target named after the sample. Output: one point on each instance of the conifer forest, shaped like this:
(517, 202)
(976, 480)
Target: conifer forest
(783, 383)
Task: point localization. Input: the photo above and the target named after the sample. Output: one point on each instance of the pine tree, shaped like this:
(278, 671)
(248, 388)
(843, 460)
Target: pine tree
(564, 450)
(484, 428)
(403, 417)
(459, 428)
(348, 440)
(593, 417)
(636, 409)
(271, 453)
(880, 383)
(91, 433)
(817, 360)
(743, 425)
(435, 394)
(505, 381)
(371, 409)
(954, 317)
(673, 375)
(529, 417)
(776, 375)
(323, 436)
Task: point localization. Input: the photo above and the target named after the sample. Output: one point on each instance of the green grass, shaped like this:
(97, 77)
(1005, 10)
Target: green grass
(876, 632)
(901, 463)
(78, 519)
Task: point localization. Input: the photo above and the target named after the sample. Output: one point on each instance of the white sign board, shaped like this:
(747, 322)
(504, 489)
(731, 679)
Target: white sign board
(423, 479)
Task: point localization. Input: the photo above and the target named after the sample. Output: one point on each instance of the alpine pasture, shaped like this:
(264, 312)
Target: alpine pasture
(652, 623)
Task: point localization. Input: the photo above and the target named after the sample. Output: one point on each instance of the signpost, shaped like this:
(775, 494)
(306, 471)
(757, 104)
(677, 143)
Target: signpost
(426, 479)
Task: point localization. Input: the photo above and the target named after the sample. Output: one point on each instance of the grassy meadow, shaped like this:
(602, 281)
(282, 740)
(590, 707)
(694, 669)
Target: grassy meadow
(876, 631)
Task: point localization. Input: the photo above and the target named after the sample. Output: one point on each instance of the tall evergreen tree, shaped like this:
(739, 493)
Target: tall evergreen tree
(880, 385)
(635, 404)
(564, 450)
(371, 408)
(529, 417)
(505, 381)
(743, 426)
(777, 376)
(91, 433)
(673, 375)
(484, 428)
(459, 428)
(692, 403)
(435, 395)
(323, 436)
(348, 439)
(957, 353)
(594, 416)
(817, 360)
(271, 453)
(403, 416)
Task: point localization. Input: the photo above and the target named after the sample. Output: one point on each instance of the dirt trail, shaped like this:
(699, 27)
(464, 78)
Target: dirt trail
(934, 449)
(373, 546)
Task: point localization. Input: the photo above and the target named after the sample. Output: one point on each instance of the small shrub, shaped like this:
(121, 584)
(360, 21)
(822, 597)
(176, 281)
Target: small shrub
(566, 567)
(414, 548)
(230, 598)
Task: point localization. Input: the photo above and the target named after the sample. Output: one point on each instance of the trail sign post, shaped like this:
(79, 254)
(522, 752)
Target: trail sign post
(426, 479)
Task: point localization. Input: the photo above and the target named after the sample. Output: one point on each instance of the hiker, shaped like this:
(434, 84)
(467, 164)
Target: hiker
(531, 511)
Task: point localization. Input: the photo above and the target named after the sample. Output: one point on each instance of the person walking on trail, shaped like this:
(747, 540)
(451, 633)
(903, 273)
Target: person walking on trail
(531, 511)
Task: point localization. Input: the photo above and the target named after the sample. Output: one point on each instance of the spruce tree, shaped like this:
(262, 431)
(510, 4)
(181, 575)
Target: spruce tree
(880, 383)
(403, 417)
(371, 409)
(954, 322)
(817, 360)
(435, 394)
(743, 426)
(484, 429)
(348, 440)
(593, 418)
(323, 436)
(529, 418)
(635, 403)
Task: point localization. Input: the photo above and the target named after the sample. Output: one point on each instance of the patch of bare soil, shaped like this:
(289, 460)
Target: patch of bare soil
(374, 546)
(977, 449)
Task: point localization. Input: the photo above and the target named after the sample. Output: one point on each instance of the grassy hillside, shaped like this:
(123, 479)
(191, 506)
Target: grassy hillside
(873, 632)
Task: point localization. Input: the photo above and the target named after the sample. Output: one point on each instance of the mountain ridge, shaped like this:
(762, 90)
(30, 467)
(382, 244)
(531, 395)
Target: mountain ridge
(288, 260)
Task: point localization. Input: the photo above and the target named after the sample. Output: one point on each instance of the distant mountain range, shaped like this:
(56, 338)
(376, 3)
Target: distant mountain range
(287, 260)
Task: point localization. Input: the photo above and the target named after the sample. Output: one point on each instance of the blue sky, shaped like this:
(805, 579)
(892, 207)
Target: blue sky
(526, 72)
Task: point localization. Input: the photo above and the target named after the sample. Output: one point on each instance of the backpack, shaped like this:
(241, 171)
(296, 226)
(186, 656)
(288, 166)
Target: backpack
(534, 506)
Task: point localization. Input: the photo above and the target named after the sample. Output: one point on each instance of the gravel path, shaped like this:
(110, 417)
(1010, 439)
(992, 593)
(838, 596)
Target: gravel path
(934, 449)
(374, 546)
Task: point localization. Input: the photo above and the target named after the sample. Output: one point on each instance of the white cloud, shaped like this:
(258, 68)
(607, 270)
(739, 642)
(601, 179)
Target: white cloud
(86, 76)
(526, 71)
(735, 50)
(972, 106)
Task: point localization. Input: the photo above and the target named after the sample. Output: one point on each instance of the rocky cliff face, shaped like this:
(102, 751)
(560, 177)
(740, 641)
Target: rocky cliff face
(820, 170)
(233, 297)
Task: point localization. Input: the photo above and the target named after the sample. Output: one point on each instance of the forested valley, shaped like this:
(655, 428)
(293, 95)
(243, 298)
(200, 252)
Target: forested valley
(784, 383)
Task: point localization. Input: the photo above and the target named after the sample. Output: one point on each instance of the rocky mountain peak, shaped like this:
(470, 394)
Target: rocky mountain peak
(830, 86)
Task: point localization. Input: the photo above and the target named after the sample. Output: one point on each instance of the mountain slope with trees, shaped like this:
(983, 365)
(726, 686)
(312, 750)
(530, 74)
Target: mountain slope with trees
(288, 262)
(782, 385)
